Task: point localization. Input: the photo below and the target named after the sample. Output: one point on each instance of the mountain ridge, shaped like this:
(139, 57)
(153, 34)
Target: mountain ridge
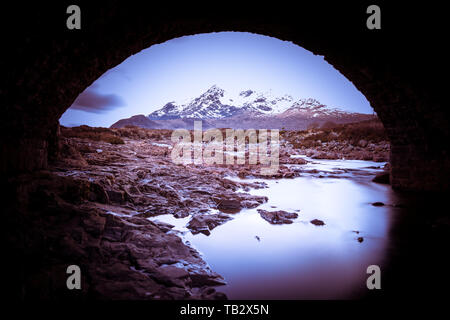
(249, 109)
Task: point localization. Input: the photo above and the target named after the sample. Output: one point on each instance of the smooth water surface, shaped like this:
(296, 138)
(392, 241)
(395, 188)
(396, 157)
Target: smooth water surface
(300, 260)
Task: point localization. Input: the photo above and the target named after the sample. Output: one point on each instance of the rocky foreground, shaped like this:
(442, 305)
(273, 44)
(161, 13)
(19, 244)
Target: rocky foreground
(92, 209)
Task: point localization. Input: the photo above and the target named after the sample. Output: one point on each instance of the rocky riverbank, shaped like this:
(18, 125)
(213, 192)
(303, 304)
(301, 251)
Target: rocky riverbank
(356, 141)
(92, 208)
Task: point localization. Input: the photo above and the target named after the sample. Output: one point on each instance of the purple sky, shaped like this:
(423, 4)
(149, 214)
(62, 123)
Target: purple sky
(186, 67)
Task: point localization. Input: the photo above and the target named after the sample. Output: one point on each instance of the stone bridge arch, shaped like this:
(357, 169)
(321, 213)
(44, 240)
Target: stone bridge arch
(47, 66)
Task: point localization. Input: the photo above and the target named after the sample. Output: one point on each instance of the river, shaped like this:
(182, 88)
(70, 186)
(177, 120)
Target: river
(300, 260)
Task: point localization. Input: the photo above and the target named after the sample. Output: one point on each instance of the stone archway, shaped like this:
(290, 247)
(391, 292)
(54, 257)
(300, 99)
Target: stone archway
(47, 66)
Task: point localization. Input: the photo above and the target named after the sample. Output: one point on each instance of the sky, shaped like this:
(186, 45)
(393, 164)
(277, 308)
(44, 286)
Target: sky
(184, 68)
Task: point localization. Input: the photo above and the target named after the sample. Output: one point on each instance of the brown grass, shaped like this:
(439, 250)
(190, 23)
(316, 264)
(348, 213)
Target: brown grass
(370, 130)
(92, 133)
(114, 136)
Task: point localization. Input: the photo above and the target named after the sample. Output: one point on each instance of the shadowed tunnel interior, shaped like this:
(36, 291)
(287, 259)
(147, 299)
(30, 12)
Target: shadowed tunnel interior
(399, 69)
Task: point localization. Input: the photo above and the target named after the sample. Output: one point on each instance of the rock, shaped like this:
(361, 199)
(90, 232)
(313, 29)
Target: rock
(94, 224)
(70, 155)
(229, 205)
(325, 155)
(201, 280)
(362, 143)
(317, 222)
(310, 153)
(141, 174)
(123, 257)
(253, 201)
(173, 272)
(205, 223)
(133, 190)
(116, 196)
(249, 204)
(288, 160)
(277, 217)
(378, 204)
(209, 293)
(289, 175)
(243, 174)
(165, 227)
(98, 193)
(348, 149)
(366, 155)
(380, 157)
(382, 178)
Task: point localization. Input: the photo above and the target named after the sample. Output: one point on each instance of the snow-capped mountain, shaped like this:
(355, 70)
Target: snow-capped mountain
(248, 109)
(313, 109)
(209, 105)
(215, 103)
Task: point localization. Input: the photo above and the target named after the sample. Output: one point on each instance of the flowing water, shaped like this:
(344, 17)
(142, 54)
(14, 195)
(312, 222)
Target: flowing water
(300, 260)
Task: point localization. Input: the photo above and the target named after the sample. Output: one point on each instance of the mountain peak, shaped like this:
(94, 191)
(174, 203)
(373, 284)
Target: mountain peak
(215, 90)
(216, 103)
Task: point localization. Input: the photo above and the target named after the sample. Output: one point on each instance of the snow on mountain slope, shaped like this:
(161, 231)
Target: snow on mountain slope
(312, 108)
(215, 103)
(247, 109)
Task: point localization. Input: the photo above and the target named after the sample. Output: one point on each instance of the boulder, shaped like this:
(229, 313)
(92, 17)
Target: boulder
(362, 143)
(382, 177)
(229, 205)
(317, 222)
(278, 217)
(205, 223)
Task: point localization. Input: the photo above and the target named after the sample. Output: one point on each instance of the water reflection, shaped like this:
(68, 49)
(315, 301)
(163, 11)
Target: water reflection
(301, 260)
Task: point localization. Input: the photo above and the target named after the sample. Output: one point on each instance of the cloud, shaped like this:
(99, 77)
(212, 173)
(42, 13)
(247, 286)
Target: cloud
(95, 102)
(114, 72)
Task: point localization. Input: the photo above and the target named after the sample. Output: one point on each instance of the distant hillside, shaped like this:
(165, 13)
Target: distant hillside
(139, 121)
